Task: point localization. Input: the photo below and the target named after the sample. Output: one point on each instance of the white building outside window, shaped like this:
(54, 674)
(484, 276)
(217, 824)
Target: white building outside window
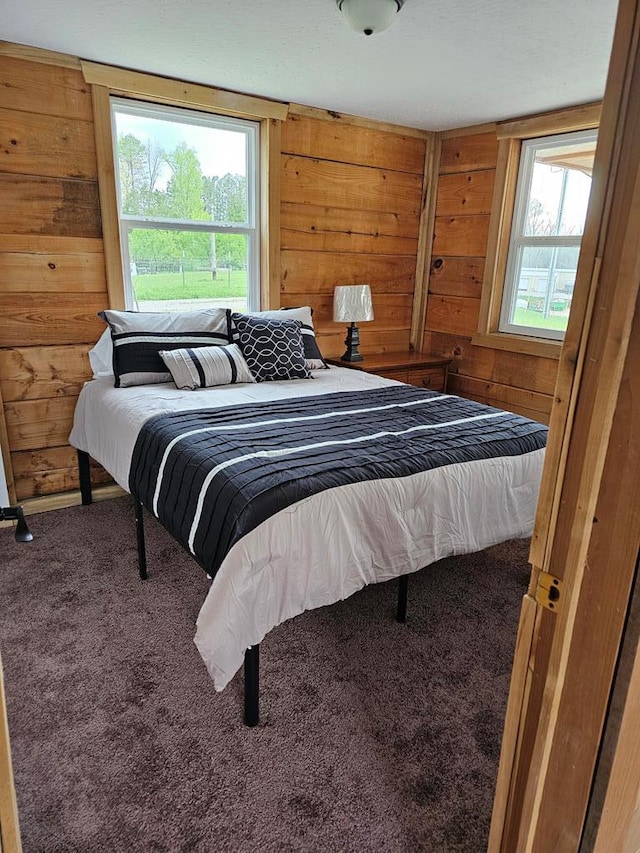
(554, 184)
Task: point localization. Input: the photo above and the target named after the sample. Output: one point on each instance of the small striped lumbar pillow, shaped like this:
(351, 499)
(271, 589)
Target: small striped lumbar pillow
(205, 367)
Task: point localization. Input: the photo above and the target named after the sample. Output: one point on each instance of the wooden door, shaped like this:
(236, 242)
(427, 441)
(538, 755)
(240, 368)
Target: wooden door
(588, 525)
(9, 827)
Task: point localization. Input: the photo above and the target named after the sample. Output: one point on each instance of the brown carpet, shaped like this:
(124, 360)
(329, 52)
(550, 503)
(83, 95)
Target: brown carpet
(374, 736)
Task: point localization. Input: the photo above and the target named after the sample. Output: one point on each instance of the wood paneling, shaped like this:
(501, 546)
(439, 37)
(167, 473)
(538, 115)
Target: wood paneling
(24, 272)
(506, 368)
(536, 406)
(34, 205)
(33, 424)
(33, 144)
(372, 341)
(333, 117)
(350, 144)
(47, 320)
(51, 470)
(453, 314)
(41, 245)
(461, 236)
(392, 311)
(456, 276)
(469, 153)
(37, 88)
(330, 229)
(36, 373)
(466, 193)
(352, 197)
(515, 381)
(318, 272)
(325, 182)
(52, 273)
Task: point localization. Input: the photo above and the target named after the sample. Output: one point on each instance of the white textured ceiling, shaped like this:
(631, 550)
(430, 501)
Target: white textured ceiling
(441, 64)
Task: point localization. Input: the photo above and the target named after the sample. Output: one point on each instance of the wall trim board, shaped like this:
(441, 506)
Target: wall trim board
(578, 117)
(6, 455)
(425, 240)
(271, 207)
(9, 821)
(469, 130)
(167, 90)
(360, 121)
(64, 500)
(39, 54)
(108, 198)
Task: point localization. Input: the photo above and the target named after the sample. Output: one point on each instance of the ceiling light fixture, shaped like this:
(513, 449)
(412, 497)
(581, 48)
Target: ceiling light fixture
(369, 16)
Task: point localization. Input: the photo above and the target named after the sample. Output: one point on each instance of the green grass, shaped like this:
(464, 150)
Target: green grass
(190, 285)
(535, 318)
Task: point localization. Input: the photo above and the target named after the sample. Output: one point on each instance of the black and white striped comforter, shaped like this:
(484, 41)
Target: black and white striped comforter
(213, 476)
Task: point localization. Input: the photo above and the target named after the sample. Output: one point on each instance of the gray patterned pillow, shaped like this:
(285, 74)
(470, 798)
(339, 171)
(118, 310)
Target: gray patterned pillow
(273, 349)
(315, 360)
(205, 367)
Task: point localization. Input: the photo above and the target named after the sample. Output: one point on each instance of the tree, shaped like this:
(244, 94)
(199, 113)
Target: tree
(184, 201)
(188, 195)
(225, 198)
(140, 166)
(225, 201)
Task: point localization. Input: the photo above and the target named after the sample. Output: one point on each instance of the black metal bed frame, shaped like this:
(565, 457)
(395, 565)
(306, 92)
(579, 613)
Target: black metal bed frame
(16, 513)
(252, 654)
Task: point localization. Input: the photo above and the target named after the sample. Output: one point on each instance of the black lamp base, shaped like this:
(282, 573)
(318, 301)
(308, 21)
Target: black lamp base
(352, 343)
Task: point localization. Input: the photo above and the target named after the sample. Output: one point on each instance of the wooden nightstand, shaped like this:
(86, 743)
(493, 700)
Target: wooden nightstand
(420, 369)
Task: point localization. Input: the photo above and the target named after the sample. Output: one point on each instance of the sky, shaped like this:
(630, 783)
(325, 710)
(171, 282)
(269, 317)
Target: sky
(219, 151)
(546, 188)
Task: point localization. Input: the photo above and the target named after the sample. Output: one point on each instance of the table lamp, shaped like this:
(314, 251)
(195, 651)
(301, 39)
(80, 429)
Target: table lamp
(352, 304)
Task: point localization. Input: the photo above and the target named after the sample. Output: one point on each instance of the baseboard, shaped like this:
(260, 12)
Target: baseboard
(65, 500)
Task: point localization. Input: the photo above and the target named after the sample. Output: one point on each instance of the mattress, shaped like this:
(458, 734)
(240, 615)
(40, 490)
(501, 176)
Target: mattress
(327, 546)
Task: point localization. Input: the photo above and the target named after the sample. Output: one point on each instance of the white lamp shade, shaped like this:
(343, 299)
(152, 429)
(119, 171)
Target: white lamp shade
(352, 303)
(369, 16)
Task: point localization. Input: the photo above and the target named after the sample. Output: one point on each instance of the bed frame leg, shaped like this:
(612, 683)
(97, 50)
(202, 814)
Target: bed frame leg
(85, 478)
(142, 556)
(403, 586)
(252, 686)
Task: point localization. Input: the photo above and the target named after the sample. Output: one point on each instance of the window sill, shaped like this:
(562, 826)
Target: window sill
(518, 343)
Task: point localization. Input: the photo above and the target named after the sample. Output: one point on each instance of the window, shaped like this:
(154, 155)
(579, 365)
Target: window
(541, 192)
(187, 190)
(554, 183)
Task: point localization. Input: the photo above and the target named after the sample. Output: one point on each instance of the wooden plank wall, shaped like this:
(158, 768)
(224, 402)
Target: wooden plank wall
(351, 202)
(514, 381)
(52, 279)
(351, 198)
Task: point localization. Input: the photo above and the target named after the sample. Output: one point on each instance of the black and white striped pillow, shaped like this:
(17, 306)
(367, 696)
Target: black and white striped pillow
(205, 367)
(138, 337)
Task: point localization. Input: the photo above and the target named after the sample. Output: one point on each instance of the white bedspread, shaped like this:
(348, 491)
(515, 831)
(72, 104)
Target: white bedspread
(326, 547)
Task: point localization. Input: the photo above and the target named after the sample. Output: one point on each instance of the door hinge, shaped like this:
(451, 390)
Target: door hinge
(549, 591)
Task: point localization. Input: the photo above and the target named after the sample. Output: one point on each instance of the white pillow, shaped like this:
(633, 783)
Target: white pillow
(205, 367)
(101, 356)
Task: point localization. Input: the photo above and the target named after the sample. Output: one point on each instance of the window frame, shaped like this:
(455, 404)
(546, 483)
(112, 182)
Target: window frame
(107, 81)
(250, 228)
(510, 136)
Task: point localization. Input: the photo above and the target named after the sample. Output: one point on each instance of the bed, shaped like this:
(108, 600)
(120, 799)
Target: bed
(377, 511)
